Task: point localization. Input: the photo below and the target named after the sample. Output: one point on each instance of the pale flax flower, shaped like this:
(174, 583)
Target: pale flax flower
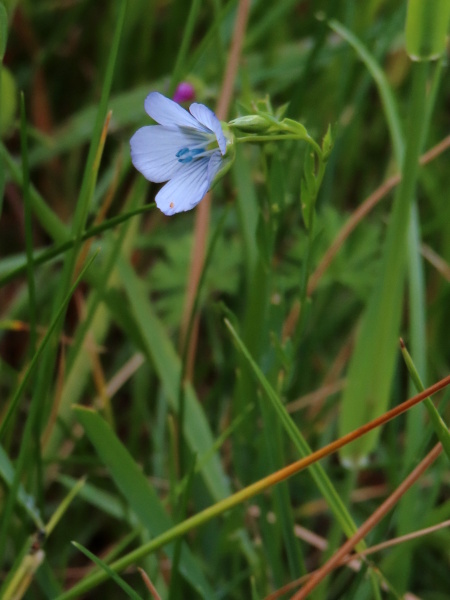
(189, 151)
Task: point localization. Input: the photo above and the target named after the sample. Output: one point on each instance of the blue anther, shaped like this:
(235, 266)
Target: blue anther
(185, 155)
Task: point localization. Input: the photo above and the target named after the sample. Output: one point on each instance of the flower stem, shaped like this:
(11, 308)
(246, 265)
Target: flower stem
(280, 137)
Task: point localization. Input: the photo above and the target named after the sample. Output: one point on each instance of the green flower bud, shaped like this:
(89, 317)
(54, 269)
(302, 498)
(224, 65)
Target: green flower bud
(251, 124)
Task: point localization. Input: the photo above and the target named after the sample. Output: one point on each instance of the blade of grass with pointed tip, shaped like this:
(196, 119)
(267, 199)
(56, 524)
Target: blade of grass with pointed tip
(136, 489)
(317, 472)
(439, 426)
(167, 364)
(120, 582)
(387, 97)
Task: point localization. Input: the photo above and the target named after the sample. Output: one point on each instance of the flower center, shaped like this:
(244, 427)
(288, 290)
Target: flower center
(185, 155)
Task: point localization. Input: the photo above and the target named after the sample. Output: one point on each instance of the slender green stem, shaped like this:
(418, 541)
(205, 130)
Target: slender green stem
(3, 39)
(46, 255)
(279, 137)
(47, 218)
(185, 42)
(37, 463)
(28, 226)
(439, 425)
(318, 181)
(306, 270)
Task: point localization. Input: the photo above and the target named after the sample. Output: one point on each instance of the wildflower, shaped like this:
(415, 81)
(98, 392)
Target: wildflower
(189, 151)
(184, 93)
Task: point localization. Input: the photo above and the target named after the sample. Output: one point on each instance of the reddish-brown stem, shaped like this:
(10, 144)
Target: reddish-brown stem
(368, 525)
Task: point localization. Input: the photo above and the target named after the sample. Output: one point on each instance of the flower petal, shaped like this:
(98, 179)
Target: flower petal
(167, 112)
(186, 189)
(216, 163)
(154, 149)
(208, 119)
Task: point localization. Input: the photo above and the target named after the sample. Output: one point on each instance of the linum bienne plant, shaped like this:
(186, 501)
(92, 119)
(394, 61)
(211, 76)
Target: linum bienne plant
(192, 150)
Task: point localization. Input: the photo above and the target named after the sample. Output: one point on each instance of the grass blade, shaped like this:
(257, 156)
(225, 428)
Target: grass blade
(167, 364)
(112, 575)
(135, 487)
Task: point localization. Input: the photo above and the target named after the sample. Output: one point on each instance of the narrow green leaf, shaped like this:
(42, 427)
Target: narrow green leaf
(28, 226)
(188, 32)
(120, 582)
(24, 559)
(64, 505)
(317, 472)
(384, 89)
(373, 361)
(106, 502)
(167, 364)
(135, 487)
(26, 501)
(16, 398)
(90, 171)
(3, 30)
(14, 266)
(438, 423)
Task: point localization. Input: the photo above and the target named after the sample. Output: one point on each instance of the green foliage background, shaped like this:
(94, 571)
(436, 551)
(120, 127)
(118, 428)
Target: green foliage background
(142, 476)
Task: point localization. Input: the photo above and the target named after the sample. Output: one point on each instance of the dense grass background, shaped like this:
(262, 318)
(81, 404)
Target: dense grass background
(110, 334)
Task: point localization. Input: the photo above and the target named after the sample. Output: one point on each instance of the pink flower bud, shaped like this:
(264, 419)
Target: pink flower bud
(184, 93)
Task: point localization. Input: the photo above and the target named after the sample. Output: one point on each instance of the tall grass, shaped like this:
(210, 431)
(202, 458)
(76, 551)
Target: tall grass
(174, 391)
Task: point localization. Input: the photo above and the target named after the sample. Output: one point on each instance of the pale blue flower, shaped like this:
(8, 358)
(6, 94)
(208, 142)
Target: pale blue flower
(186, 150)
